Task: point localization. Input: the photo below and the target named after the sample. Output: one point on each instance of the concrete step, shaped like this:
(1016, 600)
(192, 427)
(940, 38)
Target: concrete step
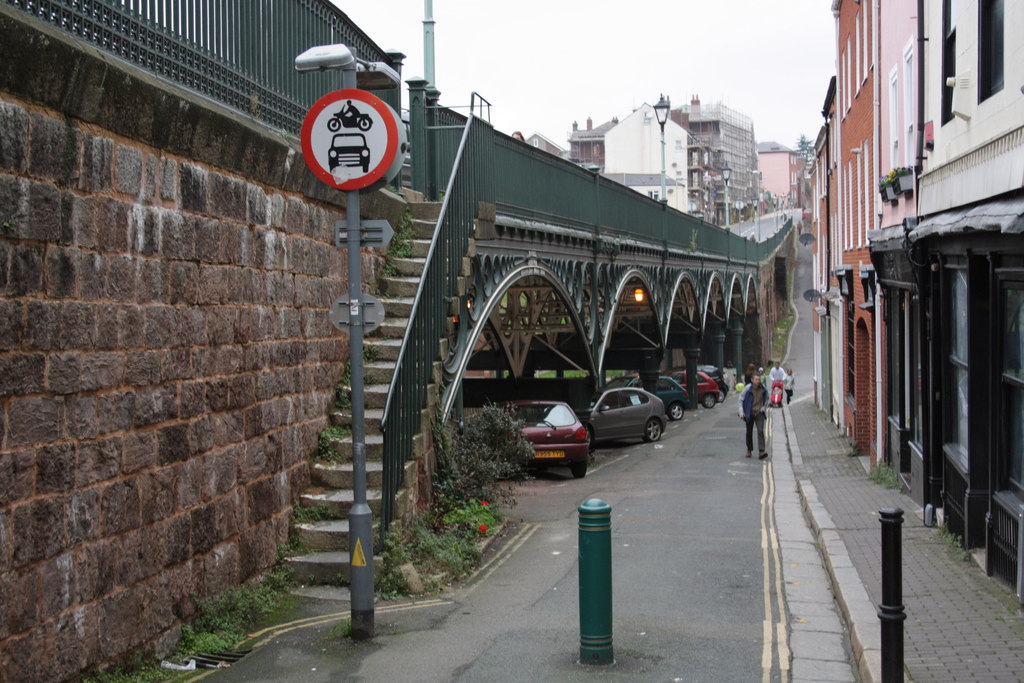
(341, 446)
(400, 286)
(339, 501)
(384, 348)
(420, 248)
(409, 267)
(397, 307)
(423, 228)
(371, 418)
(339, 475)
(319, 568)
(392, 328)
(425, 210)
(375, 395)
(327, 534)
(378, 372)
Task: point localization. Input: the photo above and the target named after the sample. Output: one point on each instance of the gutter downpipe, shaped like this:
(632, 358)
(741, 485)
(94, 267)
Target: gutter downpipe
(876, 213)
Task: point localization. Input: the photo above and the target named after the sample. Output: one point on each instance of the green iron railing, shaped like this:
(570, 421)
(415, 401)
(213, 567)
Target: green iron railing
(469, 183)
(239, 53)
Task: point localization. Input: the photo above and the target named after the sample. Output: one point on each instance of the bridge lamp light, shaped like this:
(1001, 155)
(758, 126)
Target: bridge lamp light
(638, 295)
(661, 110)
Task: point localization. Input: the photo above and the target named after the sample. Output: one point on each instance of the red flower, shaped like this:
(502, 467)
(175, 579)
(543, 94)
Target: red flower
(484, 502)
(482, 528)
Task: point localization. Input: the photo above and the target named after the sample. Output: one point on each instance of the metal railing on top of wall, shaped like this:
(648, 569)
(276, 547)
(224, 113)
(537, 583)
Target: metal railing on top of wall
(238, 53)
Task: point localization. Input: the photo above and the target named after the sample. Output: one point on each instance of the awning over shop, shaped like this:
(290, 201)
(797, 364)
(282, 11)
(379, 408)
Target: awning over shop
(1001, 215)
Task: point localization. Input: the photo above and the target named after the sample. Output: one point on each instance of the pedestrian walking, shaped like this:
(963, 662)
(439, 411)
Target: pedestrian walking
(787, 383)
(777, 374)
(751, 369)
(754, 401)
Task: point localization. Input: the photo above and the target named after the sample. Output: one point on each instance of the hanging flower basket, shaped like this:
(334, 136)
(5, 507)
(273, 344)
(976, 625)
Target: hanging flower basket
(889, 193)
(904, 183)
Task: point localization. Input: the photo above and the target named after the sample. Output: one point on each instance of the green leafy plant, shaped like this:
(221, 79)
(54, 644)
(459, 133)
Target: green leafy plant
(885, 476)
(290, 548)
(474, 517)
(482, 461)
(955, 543)
(324, 445)
(315, 513)
(225, 619)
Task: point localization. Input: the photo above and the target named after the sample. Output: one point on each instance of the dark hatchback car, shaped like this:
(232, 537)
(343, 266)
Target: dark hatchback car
(624, 413)
(674, 397)
(557, 435)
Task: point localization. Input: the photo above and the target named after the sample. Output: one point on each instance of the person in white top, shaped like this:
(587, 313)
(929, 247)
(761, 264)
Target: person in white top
(777, 374)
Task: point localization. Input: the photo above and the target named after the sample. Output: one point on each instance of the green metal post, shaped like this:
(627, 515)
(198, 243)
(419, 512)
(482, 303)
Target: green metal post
(595, 578)
(418, 133)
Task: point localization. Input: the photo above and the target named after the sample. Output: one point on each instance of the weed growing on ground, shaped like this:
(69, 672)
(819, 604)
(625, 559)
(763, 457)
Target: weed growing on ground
(885, 476)
(307, 515)
(955, 543)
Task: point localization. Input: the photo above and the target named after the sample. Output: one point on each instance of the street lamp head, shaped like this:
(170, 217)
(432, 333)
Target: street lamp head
(325, 58)
(726, 174)
(661, 110)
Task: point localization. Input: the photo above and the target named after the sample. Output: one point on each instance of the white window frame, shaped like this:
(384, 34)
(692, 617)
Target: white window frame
(894, 119)
(858, 48)
(909, 102)
(867, 41)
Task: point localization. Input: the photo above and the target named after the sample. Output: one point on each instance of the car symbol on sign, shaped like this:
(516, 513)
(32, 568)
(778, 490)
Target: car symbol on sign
(348, 149)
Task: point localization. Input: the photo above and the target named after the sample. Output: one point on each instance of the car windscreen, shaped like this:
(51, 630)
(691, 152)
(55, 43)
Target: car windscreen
(548, 414)
(619, 382)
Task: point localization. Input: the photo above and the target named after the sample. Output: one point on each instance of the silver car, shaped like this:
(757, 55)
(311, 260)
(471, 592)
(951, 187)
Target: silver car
(624, 413)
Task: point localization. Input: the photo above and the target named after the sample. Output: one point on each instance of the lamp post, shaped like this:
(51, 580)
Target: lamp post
(661, 110)
(726, 174)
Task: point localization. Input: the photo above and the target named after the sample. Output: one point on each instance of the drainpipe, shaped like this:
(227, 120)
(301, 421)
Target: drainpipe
(876, 20)
(920, 101)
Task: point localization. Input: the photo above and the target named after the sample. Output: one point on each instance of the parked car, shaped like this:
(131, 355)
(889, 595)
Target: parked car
(557, 435)
(715, 373)
(624, 413)
(674, 397)
(707, 389)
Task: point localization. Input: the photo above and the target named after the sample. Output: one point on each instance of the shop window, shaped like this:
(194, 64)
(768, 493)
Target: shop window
(956, 423)
(948, 57)
(1013, 383)
(916, 395)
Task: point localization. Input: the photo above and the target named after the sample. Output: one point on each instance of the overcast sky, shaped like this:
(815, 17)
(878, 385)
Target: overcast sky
(546, 63)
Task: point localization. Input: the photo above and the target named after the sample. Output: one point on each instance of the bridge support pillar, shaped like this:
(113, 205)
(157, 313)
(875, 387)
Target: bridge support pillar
(691, 349)
(718, 346)
(649, 372)
(736, 328)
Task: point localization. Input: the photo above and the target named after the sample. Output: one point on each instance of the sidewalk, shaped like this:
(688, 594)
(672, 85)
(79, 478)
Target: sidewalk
(961, 625)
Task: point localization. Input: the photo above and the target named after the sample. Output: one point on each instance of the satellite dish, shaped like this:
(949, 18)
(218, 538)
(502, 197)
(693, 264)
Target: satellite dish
(806, 238)
(812, 295)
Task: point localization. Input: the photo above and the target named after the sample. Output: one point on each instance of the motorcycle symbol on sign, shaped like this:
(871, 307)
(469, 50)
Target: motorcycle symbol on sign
(349, 117)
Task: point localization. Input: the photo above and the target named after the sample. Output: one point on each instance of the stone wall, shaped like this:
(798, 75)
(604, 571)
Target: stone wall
(166, 359)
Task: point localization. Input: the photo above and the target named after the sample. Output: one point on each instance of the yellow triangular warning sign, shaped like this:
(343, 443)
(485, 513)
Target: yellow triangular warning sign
(358, 559)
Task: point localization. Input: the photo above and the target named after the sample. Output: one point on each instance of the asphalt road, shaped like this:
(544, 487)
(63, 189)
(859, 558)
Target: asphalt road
(695, 582)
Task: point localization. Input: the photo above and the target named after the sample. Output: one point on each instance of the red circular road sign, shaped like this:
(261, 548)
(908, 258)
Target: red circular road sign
(351, 139)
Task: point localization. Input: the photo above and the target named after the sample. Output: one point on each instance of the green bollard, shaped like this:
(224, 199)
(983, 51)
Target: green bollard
(595, 567)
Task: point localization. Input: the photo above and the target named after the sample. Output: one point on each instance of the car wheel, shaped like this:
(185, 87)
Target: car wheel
(675, 411)
(578, 469)
(590, 438)
(652, 430)
(709, 400)
(721, 396)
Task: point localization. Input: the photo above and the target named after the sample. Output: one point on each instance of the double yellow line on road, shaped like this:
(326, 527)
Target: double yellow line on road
(776, 641)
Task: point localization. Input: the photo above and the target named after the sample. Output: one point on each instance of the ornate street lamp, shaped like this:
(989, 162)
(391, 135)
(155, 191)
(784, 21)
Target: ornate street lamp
(661, 110)
(726, 174)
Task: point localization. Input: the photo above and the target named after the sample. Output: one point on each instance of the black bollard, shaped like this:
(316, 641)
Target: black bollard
(890, 612)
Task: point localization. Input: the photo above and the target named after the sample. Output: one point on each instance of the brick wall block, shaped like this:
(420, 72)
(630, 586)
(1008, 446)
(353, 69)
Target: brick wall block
(62, 272)
(128, 171)
(123, 619)
(53, 147)
(83, 516)
(227, 428)
(24, 276)
(193, 182)
(189, 483)
(82, 420)
(13, 136)
(157, 489)
(55, 468)
(43, 217)
(17, 476)
(220, 472)
(228, 197)
(76, 640)
(252, 464)
(57, 579)
(34, 420)
(6, 547)
(95, 568)
(169, 179)
(120, 506)
(21, 373)
(19, 599)
(258, 205)
(40, 526)
(95, 174)
(257, 548)
(220, 569)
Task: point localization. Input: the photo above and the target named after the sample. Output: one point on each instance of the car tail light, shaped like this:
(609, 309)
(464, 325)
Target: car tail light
(581, 434)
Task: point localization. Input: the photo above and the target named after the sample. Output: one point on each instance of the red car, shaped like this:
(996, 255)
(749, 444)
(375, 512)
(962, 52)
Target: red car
(707, 388)
(557, 435)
